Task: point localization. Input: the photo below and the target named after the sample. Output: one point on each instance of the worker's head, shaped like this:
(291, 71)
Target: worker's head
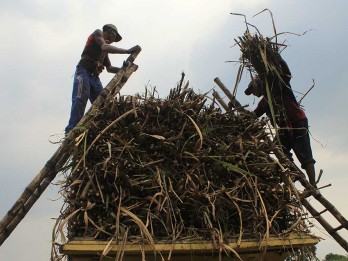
(254, 87)
(111, 32)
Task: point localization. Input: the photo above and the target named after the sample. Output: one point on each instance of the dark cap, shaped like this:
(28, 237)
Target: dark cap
(249, 89)
(114, 28)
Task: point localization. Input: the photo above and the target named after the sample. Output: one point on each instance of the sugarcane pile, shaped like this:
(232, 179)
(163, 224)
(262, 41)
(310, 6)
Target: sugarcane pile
(176, 169)
(261, 56)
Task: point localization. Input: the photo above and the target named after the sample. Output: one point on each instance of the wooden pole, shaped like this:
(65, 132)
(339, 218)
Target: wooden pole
(220, 100)
(36, 187)
(234, 101)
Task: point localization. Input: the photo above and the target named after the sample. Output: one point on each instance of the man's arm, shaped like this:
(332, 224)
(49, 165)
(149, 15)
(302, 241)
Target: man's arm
(261, 108)
(109, 67)
(108, 48)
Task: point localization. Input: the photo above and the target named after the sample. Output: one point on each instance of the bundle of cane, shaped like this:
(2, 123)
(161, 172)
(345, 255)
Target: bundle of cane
(152, 169)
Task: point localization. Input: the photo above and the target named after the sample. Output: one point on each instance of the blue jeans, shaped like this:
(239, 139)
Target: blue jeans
(87, 86)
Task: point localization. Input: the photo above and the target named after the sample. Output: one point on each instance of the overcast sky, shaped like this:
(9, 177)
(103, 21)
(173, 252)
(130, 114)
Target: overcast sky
(42, 42)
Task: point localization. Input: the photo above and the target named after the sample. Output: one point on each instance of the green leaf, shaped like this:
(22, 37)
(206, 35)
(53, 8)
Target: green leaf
(233, 167)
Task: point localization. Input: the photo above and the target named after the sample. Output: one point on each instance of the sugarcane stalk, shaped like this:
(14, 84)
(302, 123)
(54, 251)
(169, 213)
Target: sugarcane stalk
(35, 188)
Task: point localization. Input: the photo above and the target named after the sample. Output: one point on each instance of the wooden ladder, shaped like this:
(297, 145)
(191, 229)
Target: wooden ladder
(56, 163)
(310, 190)
(315, 193)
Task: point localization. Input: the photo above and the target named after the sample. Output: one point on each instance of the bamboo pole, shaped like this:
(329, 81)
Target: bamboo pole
(220, 100)
(331, 208)
(36, 187)
(234, 101)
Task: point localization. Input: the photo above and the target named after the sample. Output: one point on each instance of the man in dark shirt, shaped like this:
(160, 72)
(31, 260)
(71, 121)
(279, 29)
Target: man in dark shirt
(291, 120)
(94, 58)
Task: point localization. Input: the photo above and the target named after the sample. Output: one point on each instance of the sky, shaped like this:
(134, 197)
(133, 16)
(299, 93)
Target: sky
(42, 42)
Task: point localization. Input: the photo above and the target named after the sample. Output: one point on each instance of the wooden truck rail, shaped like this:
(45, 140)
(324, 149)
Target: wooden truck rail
(274, 249)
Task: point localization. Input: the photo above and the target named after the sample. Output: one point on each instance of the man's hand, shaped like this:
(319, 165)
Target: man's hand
(134, 49)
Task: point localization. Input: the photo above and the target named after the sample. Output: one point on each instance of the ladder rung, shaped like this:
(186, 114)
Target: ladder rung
(322, 212)
(338, 228)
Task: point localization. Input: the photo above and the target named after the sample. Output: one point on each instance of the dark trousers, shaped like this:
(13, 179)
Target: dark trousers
(297, 138)
(86, 86)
